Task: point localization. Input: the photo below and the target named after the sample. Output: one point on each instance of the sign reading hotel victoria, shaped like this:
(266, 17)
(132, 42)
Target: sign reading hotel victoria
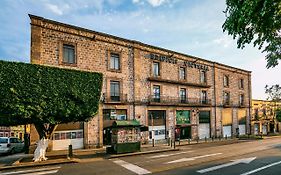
(172, 60)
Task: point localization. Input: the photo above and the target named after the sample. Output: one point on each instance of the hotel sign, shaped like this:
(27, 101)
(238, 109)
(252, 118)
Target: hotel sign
(172, 60)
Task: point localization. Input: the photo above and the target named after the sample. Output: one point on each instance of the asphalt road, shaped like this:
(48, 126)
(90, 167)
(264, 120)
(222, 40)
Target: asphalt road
(244, 158)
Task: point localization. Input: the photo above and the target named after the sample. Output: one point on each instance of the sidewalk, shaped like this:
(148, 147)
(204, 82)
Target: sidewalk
(92, 155)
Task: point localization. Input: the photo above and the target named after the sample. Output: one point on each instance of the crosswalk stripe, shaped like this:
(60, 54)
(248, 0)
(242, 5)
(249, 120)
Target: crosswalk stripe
(31, 170)
(134, 168)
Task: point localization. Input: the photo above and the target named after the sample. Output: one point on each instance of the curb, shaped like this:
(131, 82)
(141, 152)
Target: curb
(44, 163)
(140, 153)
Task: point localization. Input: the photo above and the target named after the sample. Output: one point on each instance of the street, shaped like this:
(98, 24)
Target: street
(243, 158)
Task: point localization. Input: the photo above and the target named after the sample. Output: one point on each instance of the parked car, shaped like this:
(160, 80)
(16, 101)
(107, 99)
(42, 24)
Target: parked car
(10, 145)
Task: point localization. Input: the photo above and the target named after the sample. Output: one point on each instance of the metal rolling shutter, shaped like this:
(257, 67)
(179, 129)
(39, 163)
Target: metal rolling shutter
(242, 121)
(204, 124)
(242, 129)
(227, 122)
(264, 129)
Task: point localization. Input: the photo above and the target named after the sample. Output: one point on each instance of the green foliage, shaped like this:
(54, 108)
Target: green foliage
(273, 92)
(257, 21)
(35, 94)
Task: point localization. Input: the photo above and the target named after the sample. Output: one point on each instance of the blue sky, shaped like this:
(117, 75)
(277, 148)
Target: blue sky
(188, 26)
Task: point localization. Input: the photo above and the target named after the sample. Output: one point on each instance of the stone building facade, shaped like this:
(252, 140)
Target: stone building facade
(174, 94)
(264, 117)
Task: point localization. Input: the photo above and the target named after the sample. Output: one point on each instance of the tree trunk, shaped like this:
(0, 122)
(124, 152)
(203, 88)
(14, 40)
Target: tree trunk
(45, 132)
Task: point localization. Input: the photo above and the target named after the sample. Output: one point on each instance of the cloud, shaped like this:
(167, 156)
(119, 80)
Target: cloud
(136, 1)
(156, 3)
(153, 3)
(224, 41)
(54, 8)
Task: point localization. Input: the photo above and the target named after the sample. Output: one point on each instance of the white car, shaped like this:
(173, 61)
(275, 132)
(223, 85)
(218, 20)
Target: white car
(10, 145)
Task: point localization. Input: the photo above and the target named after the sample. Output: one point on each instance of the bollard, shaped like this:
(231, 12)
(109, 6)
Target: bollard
(152, 142)
(188, 140)
(205, 139)
(168, 141)
(70, 151)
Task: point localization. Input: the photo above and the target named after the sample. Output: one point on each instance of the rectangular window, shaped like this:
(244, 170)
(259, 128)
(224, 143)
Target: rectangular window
(225, 81)
(182, 73)
(203, 78)
(204, 97)
(156, 69)
(114, 61)
(156, 93)
(115, 90)
(226, 98)
(69, 54)
(183, 95)
(241, 83)
(241, 99)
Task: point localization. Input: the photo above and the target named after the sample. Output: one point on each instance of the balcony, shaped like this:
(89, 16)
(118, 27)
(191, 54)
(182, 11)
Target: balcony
(227, 103)
(122, 98)
(177, 101)
(157, 79)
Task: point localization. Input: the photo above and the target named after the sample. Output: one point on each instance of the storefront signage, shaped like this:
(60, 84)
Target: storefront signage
(172, 60)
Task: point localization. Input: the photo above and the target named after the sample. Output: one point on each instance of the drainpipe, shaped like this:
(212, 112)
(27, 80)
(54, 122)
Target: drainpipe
(215, 98)
(250, 101)
(132, 56)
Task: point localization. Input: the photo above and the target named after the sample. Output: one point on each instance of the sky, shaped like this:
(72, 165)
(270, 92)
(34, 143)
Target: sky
(192, 27)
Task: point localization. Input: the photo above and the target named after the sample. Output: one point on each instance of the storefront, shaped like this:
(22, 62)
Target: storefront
(227, 122)
(242, 121)
(204, 124)
(157, 124)
(62, 139)
(183, 124)
(68, 134)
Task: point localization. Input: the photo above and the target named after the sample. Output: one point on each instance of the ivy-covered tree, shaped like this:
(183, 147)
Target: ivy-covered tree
(256, 21)
(46, 96)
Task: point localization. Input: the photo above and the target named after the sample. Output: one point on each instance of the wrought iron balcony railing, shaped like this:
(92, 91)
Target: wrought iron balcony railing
(121, 98)
(177, 100)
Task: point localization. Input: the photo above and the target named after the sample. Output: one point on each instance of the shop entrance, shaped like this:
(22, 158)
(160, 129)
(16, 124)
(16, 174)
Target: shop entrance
(185, 132)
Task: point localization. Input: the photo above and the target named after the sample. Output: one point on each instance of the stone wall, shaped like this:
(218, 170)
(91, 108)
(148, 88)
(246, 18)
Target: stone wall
(93, 54)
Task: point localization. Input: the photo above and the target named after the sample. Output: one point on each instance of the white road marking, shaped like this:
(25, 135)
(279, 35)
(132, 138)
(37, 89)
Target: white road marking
(43, 172)
(34, 171)
(261, 168)
(134, 168)
(167, 155)
(192, 158)
(246, 160)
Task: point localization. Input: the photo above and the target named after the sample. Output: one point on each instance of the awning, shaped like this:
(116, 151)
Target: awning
(120, 123)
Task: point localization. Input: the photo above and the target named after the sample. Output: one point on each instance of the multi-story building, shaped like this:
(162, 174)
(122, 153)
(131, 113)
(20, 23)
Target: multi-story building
(5, 131)
(264, 117)
(174, 94)
(14, 131)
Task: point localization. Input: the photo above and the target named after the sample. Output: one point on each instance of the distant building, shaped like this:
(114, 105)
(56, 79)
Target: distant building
(264, 117)
(174, 94)
(14, 131)
(5, 131)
